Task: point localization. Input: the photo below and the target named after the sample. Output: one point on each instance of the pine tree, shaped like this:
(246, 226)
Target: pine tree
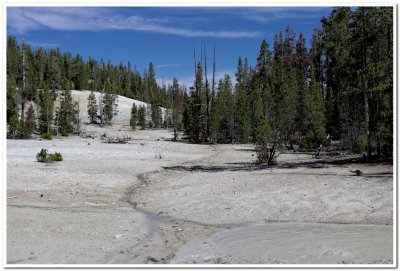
(188, 116)
(317, 56)
(177, 105)
(222, 121)
(142, 117)
(337, 44)
(66, 114)
(156, 117)
(30, 122)
(301, 64)
(13, 59)
(46, 111)
(242, 113)
(92, 107)
(315, 119)
(109, 105)
(12, 106)
(134, 116)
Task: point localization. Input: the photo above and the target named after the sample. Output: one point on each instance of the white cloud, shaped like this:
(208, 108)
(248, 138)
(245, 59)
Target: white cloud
(268, 14)
(98, 19)
(44, 44)
(165, 66)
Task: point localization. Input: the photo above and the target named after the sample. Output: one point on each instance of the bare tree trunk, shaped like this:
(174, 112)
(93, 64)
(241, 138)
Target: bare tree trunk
(23, 90)
(366, 116)
(272, 154)
(207, 97)
(365, 90)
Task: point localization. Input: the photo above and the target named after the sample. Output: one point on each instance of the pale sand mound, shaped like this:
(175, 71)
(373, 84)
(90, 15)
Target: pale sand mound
(123, 108)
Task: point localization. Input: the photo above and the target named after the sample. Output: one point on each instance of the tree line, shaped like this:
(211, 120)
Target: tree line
(340, 88)
(36, 75)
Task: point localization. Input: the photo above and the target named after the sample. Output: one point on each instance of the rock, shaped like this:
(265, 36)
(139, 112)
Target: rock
(117, 236)
(152, 259)
(357, 172)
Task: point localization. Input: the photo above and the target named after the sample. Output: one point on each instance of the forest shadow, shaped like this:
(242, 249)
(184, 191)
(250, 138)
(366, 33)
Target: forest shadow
(249, 166)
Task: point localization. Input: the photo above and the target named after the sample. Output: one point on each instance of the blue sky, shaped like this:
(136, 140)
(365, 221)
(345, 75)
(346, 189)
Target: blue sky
(162, 35)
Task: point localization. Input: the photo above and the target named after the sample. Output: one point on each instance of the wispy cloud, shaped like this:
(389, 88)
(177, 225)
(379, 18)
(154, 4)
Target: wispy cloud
(266, 15)
(43, 44)
(100, 19)
(164, 66)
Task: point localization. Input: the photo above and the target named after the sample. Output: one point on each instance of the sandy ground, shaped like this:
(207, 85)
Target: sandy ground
(122, 203)
(154, 201)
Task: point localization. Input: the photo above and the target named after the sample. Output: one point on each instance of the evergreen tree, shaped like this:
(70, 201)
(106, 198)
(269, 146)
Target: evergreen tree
(30, 122)
(242, 113)
(66, 114)
(315, 119)
(337, 44)
(222, 124)
(92, 107)
(372, 37)
(177, 105)
(13, 60)
(54, 71)
(317, 55)
(109, 105)
(13, 126)
(142, 117)
(46, 111)
(188, 116)
(12, 106)
(265, 142)
(156, 117)
(301, 64)
(134, 116)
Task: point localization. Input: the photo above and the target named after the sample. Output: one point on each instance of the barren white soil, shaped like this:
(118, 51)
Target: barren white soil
(157, 201)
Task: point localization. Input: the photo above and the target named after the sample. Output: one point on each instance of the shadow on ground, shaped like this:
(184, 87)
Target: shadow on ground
(248, 166)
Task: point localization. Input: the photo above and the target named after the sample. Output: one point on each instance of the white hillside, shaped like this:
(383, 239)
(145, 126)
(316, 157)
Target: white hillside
(124, 106)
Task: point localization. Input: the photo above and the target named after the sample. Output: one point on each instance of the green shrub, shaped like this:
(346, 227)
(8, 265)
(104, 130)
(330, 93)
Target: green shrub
(46, 136)
(42, 156)
(56, 156)
(360, 145)
(45, 157)
(304, 145)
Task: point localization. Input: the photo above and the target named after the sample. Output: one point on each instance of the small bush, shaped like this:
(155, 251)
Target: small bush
(360, 145)
(45, 157)
(56, 156)
(42, 156)
(46, 136)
